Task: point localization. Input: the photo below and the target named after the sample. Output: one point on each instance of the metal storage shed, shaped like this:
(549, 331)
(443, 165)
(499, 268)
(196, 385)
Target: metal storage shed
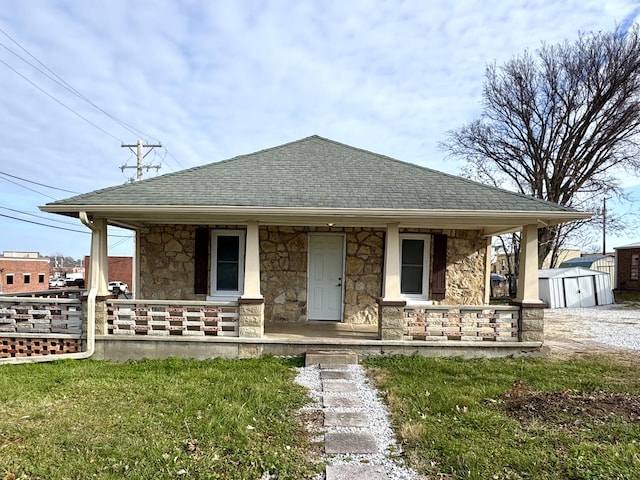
(574, 287)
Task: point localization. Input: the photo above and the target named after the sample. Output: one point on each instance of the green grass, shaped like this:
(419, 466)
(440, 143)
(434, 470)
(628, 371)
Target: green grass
(219, 419)
(450, 414)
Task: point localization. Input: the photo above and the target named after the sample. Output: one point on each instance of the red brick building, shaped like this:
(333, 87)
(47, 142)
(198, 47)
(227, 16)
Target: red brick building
(120, 269)
(23, 272)
(628, 268)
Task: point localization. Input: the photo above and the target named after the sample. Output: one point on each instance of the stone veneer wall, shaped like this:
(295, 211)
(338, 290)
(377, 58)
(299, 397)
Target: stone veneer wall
(283, 272)
(466, 256)
(466, 260)
(167, 262)
(167, 268)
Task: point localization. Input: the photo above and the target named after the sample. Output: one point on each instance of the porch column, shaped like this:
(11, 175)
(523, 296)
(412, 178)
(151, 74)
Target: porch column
(251, 315)
(99, 273)
(528, 276)
(391, 305)
(531, 324)
(99, 265)
(392, 263)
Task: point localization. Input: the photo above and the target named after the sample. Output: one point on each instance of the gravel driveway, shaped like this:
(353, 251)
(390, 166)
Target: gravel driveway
(607, 327)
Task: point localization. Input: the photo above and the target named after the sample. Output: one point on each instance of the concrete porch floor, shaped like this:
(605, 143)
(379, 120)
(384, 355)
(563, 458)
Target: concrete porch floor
(319, 329)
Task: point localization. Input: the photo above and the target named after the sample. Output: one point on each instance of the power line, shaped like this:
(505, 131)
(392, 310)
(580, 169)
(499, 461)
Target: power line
(41, 184)
(58, 101)
(64, 84)
(58, 228)
(31, 189)
(38, 216)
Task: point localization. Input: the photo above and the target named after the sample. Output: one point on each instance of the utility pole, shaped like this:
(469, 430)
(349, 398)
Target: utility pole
(140, 156)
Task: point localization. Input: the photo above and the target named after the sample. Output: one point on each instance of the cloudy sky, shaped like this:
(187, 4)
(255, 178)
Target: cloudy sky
(213, 79)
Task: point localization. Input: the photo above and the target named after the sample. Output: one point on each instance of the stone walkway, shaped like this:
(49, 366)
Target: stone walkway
(357, 436)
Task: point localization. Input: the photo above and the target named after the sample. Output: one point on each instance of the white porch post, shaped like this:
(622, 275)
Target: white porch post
(251, 303)
(391, 290)
(99, 256)
(252, 263)
(528, 273)
(391, 306)
(531, 322)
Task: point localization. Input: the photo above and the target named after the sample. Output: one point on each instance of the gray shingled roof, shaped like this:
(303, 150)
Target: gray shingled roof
(314, 172)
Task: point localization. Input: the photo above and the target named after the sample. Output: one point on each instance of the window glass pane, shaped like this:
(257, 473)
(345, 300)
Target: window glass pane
(227, 262)
(227, 276)
(27, 278)
(412, 267)
(9, 279)
(228, 248)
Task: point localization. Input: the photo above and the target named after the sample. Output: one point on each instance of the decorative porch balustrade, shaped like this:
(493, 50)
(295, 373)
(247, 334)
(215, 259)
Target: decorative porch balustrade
(164, 318)
(39, 326)
(465, 323)
(40, 316)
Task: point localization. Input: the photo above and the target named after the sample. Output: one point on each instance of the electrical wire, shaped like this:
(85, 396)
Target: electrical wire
(40, 184)
(56, 227)
(60, 102)
(64, 84)
(38, 216)
(31, 189)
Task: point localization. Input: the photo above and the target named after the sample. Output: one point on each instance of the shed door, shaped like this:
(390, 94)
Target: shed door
(579, 292)
(326, 254)
(587, 291)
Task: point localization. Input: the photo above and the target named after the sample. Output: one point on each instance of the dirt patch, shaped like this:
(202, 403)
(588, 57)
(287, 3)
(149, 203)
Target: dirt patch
(569, 410)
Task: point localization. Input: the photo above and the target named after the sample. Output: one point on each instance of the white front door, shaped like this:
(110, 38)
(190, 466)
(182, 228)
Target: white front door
(326, 257)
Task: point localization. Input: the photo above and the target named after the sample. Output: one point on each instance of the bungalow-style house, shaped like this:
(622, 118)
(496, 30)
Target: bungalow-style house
(249, 255)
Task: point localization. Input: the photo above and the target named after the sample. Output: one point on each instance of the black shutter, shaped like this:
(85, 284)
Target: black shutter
(439, 267)
(201, 271)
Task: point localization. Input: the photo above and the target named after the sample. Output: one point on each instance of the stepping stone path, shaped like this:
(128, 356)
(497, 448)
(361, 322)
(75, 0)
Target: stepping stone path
(358, 440)
(337, 381)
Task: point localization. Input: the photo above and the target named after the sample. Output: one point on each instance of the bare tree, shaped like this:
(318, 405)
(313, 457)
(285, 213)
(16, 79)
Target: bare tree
(560, 124)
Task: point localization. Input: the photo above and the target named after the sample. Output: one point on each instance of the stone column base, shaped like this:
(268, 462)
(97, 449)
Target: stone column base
(251, 317)
(391, 324)
(531, 322)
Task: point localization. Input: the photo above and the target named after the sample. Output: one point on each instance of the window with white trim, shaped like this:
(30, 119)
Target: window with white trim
(227, 263)
(9, 279)
(414, 266)
(635, 266)
(26, 278)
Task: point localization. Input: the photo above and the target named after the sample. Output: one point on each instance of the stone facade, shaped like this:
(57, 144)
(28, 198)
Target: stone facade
(283, 272)
(466, 257)
(167, 262)
(167, 258)
(466, 260)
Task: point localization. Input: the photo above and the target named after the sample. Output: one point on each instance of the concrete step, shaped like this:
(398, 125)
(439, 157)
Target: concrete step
(330, 357)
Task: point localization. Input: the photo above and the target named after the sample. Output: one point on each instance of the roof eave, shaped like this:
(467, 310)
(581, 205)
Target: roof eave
(493, 222)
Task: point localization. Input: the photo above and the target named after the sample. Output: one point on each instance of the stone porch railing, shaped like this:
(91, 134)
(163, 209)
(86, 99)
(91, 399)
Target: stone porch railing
(428, 322)
(39, 326)
(162, 318)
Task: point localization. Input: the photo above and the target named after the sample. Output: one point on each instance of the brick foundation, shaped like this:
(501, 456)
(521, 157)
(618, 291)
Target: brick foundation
(35, 347)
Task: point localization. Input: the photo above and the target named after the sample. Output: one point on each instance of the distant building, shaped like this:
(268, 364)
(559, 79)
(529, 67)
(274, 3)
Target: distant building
(23, 272)
(501, 260)
(601, 263)
(120, 269)
(628, 268)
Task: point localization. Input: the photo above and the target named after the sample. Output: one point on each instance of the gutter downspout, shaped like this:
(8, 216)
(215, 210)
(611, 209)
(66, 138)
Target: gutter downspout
(91, 311)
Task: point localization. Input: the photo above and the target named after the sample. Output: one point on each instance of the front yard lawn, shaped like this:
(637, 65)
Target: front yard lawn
(219, 419)
(515, 418)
